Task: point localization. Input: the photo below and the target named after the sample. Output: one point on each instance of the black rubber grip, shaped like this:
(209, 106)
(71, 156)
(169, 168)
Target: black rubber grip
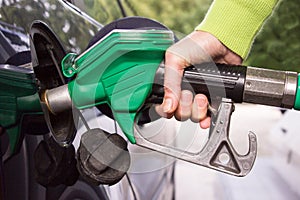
(213, 80)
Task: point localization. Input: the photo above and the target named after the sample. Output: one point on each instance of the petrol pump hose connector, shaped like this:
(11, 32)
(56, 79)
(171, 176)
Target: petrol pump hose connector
(270, 87)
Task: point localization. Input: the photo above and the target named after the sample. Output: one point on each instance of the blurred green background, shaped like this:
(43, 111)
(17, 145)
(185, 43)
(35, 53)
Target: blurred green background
(277, 46)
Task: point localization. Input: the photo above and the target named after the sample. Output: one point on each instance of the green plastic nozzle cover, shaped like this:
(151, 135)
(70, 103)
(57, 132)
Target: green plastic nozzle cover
(18, 97)
(118, 70)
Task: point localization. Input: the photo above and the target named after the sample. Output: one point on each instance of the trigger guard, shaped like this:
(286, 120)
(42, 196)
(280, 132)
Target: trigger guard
(217, 144)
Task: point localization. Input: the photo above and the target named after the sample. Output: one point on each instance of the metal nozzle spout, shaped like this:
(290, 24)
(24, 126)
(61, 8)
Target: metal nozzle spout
(58, 99)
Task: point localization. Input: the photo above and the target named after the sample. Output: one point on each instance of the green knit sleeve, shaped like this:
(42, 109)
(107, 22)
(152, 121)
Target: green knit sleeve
(236, 22)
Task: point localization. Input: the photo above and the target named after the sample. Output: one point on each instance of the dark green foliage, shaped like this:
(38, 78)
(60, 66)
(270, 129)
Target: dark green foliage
(182, 16)
(278, 45)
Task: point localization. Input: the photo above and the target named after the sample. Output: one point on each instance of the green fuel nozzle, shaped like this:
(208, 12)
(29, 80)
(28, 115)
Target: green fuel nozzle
(120, 70)
(124, 70)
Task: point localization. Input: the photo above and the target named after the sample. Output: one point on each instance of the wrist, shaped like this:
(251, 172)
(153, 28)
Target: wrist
(236, 22)
(213, 47)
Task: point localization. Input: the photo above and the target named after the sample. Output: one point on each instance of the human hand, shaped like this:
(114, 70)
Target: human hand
(196, 48)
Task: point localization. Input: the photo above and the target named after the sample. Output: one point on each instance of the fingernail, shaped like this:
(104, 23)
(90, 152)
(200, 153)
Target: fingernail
(201, 102)
(167, 105)
(186, 97)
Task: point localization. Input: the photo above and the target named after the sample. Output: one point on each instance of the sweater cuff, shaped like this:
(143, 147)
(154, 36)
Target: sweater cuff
(236, 22)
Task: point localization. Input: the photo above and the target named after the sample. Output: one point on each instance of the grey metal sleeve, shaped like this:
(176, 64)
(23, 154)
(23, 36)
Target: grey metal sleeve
(270, 87)
(58, 99)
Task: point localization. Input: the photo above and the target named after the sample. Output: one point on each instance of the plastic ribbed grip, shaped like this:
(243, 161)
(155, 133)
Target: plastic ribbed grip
(213, 80)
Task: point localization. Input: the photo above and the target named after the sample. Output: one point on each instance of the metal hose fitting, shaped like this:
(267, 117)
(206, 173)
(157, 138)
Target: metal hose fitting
(270, 87)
